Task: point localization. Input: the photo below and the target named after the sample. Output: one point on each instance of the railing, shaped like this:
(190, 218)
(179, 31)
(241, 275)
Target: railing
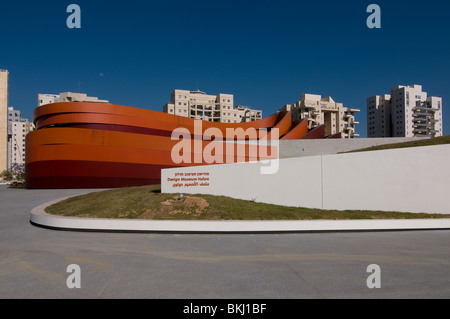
(424, 108)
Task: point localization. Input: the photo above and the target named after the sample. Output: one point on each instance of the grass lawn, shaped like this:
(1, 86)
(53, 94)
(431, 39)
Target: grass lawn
(147, 202)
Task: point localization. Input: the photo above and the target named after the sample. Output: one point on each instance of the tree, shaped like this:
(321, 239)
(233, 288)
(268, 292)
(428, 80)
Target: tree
(18, 171)
(6, 175)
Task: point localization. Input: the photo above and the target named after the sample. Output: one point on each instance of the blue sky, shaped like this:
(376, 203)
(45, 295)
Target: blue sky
(266, 53)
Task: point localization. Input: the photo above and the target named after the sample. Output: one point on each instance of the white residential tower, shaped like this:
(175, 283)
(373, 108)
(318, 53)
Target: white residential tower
(406, 112)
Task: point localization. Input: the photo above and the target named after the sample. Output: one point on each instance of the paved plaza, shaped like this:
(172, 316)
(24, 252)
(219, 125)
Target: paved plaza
(34, 261)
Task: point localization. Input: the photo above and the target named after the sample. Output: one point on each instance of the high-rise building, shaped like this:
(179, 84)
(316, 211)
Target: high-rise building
(18, 128)
(215, 108)
(4, 75)
(427, 117)
(406, 112)
(324, 111)
(67, 97)
(379, 116)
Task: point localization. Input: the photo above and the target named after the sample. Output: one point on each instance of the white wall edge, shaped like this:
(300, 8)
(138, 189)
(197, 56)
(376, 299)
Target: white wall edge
(40, 217)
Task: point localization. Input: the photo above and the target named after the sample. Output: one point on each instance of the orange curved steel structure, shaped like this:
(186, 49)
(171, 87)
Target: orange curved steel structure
(99, 145)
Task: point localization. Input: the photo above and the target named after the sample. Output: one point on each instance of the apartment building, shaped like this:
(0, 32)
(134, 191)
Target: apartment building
(324, 111)
(47, 99)
(427, 117)
(18, 128)
(408, 111)
(67, 97)
(215, 108)
(4, 77)
(379, 116)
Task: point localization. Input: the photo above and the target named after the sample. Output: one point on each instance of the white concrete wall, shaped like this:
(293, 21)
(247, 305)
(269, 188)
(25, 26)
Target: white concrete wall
(407, 180)
(298, 148)
(244, 181)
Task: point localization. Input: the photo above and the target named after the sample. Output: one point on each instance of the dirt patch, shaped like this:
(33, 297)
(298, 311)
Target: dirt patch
(198, 202)
(188, 205)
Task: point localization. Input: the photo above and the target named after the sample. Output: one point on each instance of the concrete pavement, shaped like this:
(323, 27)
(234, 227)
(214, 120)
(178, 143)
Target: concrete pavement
(34, 261)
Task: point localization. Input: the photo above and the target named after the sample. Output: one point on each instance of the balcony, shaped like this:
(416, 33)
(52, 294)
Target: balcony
(420, 131)
(349, 128)
(424, 108)
(420, 119)
(422, 124)
(309, 105)
(422, 113)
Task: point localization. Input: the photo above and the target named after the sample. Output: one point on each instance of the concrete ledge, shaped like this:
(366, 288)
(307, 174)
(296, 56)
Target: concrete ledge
(40, 218)
(300, 148)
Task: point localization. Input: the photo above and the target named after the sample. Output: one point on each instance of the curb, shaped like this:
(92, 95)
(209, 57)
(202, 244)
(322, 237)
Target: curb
(40, 218)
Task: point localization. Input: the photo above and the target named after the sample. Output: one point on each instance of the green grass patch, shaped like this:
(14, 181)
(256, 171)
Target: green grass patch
(420, 142)
(147, 202)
